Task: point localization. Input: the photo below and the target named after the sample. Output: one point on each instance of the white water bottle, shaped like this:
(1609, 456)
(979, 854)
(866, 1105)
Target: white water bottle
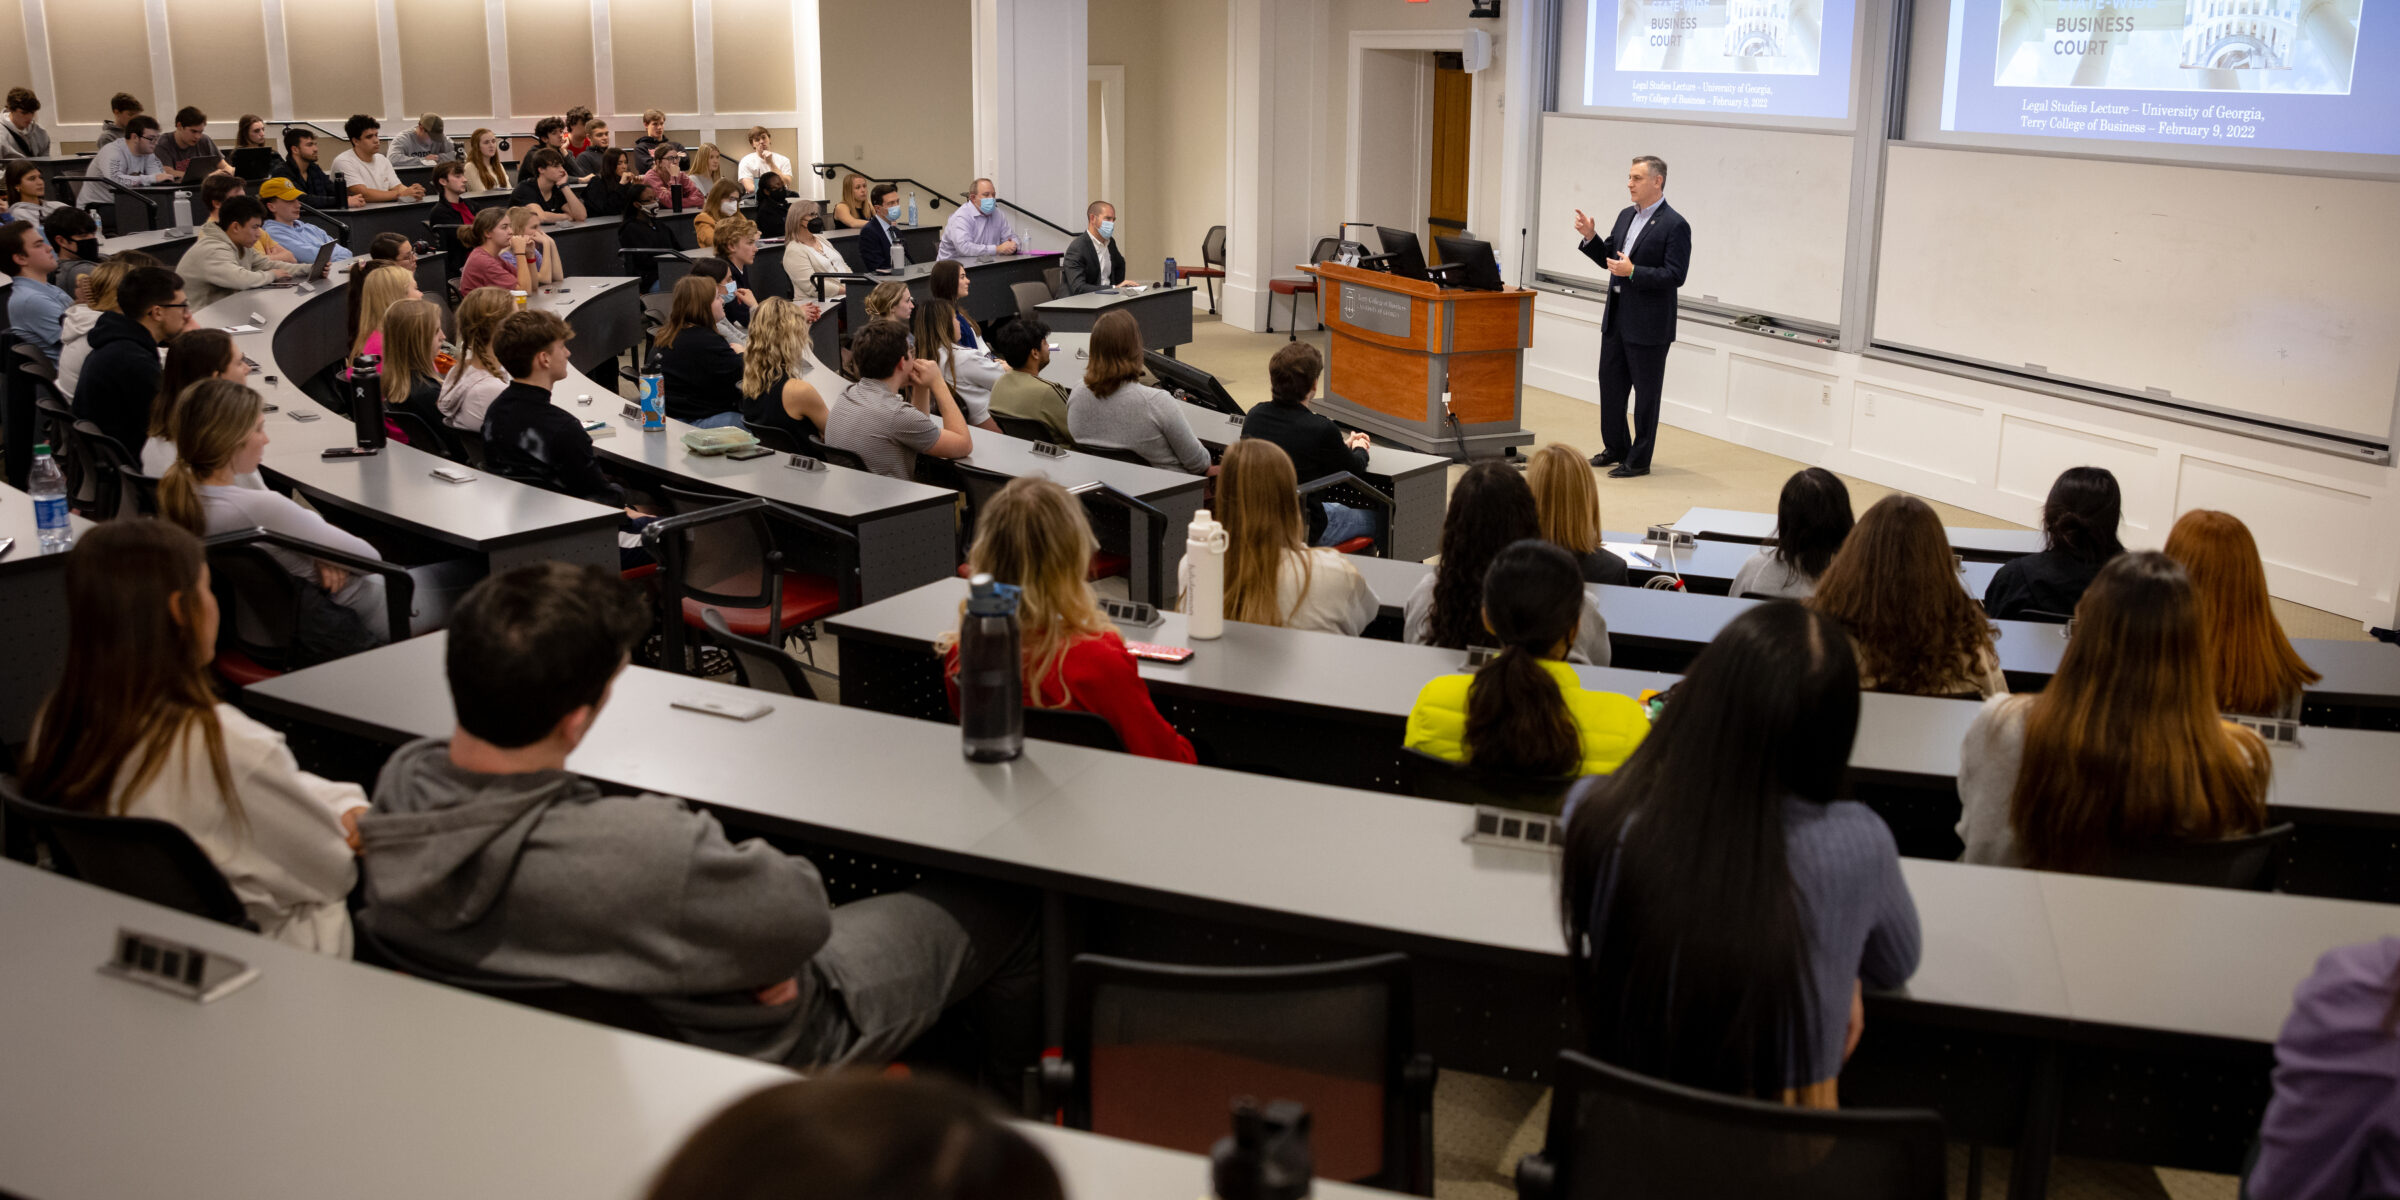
(183, 212)
(1204, 548)
(912, 208)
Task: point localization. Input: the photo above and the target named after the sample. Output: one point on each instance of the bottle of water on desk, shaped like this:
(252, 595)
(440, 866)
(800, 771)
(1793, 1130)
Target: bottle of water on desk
(1204, 548)
(912, 208)
(991, 673)
(183, 212)
(48, 485)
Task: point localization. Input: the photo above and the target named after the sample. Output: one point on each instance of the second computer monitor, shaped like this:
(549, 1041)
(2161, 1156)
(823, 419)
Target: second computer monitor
(1402, 254)
(1469, 262)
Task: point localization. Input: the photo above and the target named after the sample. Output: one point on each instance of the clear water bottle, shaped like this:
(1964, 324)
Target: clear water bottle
(912, 207)
(1171, 276)
(991, 673)
(49, 487)
(183, 212)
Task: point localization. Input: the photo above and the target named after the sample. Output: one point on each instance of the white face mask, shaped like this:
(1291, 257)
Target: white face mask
(726, 209)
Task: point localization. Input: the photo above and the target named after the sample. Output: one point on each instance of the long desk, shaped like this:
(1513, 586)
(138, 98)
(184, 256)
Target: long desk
(164, 245)
(1975, 545)
(907, 534)
(920, 242)
(369, 221)
(2142, 1012)
(332, 1078)
(989, 293)
(33, 592)
(500, 521)
(1163, 313)
(1333, 710)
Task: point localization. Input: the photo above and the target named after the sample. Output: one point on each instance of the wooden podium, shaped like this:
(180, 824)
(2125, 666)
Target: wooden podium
(1398, 344)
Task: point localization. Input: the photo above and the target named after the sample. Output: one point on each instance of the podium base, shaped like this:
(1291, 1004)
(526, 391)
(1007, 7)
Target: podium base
(1489, 440)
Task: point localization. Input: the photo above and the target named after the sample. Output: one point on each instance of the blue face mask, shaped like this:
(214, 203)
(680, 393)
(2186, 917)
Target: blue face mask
(986, 205)
(892, 214)
(1108, 228)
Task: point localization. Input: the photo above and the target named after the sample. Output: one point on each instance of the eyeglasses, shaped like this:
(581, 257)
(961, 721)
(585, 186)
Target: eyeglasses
(177, 304)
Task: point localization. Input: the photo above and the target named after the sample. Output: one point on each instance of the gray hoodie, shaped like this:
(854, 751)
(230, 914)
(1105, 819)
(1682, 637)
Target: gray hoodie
(542, 875)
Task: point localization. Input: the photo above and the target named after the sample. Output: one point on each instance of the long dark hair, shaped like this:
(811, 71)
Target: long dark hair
(1894, 586)
(136, 682)
(1811, 520)
(2080, 518)
(194, 355)
(1490, 508)
(1517, 723)
(1684, 926)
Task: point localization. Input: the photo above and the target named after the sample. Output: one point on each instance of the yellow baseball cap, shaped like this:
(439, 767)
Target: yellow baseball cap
(278, 188)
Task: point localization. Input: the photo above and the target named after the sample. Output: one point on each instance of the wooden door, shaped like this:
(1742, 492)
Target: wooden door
(1453, 116)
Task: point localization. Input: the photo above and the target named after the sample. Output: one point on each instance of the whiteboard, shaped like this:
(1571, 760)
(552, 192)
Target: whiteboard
(1770, 209)
(2271, 295)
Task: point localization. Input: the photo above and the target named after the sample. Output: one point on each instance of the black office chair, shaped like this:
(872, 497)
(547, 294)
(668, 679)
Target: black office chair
(140, 857)
(1073, 727)
(432, 439)
(1614, 1134)
(261, 634)
(716, 553)
(1026, 428)
(141, 491)
(1157, 1053)
(758, 664)
(1345, 488)
(2241, 863)
(53, 421)
(835, 455)
(774, 438)
(614, 1009)
(1118, 453)
(100, 464)
(1429, 778)
(22, 368)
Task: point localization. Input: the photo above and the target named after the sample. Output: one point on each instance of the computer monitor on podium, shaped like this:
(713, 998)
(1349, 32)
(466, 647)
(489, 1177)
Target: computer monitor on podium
(1468, 263)
(1402, 255)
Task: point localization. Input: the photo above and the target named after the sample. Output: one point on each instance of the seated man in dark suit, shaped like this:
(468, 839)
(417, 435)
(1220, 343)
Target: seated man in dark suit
(879, 245)
(1093, 260)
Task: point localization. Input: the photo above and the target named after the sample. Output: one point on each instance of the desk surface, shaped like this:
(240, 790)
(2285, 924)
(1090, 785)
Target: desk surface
(2051, 949)
(1103, 301)
(16, 521)
(329, 1078)
(1735, 525)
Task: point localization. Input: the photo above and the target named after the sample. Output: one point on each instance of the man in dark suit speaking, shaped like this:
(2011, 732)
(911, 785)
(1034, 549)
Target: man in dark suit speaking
(1646, 254)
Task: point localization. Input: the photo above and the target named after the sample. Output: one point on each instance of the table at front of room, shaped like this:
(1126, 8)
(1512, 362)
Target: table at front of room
(1163, 313)
(2085, 1016)
(990, 281)
(331, 1078)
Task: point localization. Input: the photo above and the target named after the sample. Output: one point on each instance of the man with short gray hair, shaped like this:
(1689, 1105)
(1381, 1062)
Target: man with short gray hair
(978, 229)
(1646, 254)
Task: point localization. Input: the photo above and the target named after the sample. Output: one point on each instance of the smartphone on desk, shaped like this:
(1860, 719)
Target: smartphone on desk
(1154, 652)
(333, 452)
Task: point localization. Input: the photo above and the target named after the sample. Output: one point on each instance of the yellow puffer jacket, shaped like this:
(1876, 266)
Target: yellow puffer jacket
(1611, 724)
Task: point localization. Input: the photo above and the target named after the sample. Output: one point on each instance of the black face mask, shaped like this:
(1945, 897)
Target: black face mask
(816, 224)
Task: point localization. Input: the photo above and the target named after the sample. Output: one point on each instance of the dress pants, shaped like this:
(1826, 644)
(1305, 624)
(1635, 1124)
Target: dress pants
(1642, 370)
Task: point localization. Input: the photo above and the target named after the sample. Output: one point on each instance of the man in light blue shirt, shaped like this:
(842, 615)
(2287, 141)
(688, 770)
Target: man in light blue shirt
(979, 229)
(34, 307)
(285, 226)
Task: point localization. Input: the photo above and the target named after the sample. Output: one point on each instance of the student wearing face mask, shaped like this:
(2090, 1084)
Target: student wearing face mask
(724, 200)
(806, 253)
(979, 229)
(879, 239)
(1093, 260)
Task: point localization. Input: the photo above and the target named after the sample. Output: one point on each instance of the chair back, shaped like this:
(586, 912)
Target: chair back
(1343, 487)
(1055, 279)
(51, 422)
(1160, 1052)
(1119, 453)
(19, 397)
(261, 603)
(1429, 778)
(835, 455)
(615, 1009)
(432, 439)
(757, 664)
(1326, 249)
(2241, 863)
(722, 554)
(1212, 247)
(1031, 294)
(140, 857)
(1072, 726)
(1122, 521)
(141, 491)
(104, 463)
(1025, 427)
(1614, 1133)
(774, 438)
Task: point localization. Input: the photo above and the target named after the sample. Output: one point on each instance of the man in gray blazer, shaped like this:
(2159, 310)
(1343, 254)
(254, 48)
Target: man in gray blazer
(1093, 260)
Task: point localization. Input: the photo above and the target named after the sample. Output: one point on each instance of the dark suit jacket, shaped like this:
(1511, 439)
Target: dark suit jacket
(1642, 306)
(1081, 272)
(875, 246)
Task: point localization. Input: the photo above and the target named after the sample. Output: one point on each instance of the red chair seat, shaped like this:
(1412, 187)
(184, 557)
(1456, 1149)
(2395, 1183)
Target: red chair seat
(1356, 545)
(805, 598)
(241, 670)
(1200, 272)
(1292, 287)
(638, 574)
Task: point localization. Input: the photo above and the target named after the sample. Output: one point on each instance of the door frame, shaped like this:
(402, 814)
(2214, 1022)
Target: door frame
(1110, 122)
(1453, 41)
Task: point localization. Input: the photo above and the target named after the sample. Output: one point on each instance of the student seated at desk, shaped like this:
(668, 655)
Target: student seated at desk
(879, 245)
(612, 182)
(2258, 673)
(1722, 909)
(736, 244)
(703, 374)
(2331, 1131)
(1490, 510)
(1525, 712)
(502, 258)
(945, 336)
(724, 201)
(853, 210)
(483, 851)
(366, 169)
(76, 239)
(477, 378)
(1812, 520)
(1569, 505)
(1113, 407)
(1317, 446)
(1894, 586)
(394, 248)
(527, 438)
(75, 326)
(299, 168)
(194, 355)
(374, 288)
(485, 171)
(2123, 749)
(410, 378)
(2079, 536)
(119, 377)
(806, 254)
(775, 393)
(731, 296)
(887, 429)
(296, 236)
(858, 1137)
(31, 306)
(134, 729)
(450, 205)
(217, 189)
(1035, 536)
(225, 256)
(542, 187)
(25, 190)
(1024, 344)
(1272, 576)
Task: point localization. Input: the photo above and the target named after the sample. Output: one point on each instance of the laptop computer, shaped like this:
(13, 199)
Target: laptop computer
(253, 163)
(199, 169)
(323, 263)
